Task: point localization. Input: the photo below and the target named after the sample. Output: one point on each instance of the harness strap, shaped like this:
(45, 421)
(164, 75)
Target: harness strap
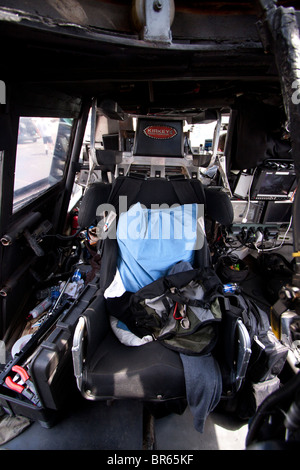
(187, 193)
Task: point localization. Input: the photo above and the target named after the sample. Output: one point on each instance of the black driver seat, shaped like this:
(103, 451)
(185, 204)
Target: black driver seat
(104, 367)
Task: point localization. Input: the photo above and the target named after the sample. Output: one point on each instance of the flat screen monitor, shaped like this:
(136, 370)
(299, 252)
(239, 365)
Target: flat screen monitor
(273, 185)
(277, 212)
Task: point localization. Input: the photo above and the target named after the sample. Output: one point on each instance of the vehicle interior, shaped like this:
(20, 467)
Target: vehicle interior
(109, 105)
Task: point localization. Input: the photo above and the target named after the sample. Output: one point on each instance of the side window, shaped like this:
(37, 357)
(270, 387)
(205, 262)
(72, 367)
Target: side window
(41, 155)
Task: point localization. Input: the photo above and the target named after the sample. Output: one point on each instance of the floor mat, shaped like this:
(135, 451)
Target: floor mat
(87, 425)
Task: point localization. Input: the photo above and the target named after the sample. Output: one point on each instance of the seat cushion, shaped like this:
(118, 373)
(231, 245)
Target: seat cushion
(150, 372)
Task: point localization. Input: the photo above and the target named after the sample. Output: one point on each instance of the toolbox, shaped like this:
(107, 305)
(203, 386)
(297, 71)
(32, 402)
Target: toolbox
(50, 370)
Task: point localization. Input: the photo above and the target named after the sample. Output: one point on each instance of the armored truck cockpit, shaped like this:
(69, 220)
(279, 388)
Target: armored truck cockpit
(149, 226)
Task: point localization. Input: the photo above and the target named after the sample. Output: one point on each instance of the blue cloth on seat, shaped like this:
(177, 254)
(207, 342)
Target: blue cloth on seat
(151, 241)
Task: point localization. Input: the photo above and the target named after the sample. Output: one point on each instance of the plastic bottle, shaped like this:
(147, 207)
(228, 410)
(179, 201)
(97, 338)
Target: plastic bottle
(40, 308)
(230, 288)
(76, 276)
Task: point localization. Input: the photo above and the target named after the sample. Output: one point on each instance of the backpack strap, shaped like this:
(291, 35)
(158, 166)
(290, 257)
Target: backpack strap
(206, 277)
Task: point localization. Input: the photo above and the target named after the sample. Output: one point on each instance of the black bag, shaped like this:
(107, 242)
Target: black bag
(227, 271)
(181, 310)
(268, 354)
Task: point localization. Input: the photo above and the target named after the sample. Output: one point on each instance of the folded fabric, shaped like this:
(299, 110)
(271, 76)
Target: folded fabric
(203, 381)
(116, 288)
(125, 336)
(152, 240)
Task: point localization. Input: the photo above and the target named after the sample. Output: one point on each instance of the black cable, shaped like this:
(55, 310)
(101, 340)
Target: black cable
(65, 237)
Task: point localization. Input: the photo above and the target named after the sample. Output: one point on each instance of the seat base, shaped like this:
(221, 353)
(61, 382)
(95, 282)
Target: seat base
(150, 372)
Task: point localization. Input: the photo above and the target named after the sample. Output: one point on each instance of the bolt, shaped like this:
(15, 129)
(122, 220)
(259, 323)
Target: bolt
(157, 5)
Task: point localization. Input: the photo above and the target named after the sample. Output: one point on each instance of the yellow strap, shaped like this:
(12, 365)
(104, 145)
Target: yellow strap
(296, 254)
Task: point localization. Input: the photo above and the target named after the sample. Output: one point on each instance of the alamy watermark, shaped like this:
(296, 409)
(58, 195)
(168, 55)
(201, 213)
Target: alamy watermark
(164, 222)
(296, 93)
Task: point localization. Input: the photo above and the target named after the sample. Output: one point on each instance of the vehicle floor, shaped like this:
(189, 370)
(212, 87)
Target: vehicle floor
(118, 426)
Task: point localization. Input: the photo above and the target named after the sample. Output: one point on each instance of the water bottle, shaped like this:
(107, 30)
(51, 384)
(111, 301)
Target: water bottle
(230, 288)
(76, 276)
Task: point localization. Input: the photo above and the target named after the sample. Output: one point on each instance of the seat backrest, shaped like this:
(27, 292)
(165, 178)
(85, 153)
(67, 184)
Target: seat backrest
(149, 191)
(158, 191)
